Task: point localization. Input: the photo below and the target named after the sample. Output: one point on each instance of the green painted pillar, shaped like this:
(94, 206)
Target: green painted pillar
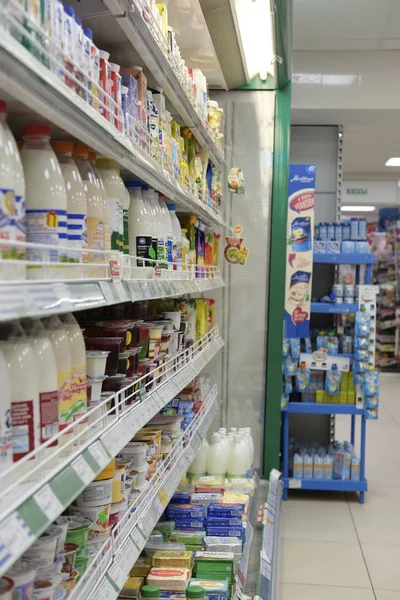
(276, 287)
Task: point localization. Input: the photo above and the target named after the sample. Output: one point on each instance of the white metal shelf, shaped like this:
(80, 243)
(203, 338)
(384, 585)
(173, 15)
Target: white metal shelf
(106, 576)
(27, 80)
(35, 490)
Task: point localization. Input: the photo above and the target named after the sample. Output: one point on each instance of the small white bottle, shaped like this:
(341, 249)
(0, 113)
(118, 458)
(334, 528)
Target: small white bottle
(307, 466)
(251, 444)
(140, 228)
(328, 467)
(177, 249)
(115, 190)
(298, 466)
(106, 205)
(237, 461)
(169, 230)
(78, 367)
(125, 221)
(198, 467)
(215, 458)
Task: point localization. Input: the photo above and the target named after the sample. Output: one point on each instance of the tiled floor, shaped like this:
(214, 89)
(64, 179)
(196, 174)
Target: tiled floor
(332, 547)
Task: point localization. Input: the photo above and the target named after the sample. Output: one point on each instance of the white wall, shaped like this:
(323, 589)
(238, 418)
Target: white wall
(377, 193)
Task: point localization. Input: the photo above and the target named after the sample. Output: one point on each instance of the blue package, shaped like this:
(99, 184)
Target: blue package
(225, 510)
(371, 383)
(323, 231)
(229, 531)
(290, 366)
(224, 522)
(363, 323)
(285, 347)
(301, 234)
(362, 342)
(185, 511)
(362, 247)
(180, 498)
(320, 247)
(188, 524)
(288, 388)
(213, 589)
(346, 231)
(354, 229)
(295, 347)
(338, 232)
(333, 247)
(330, 231)
(348, 247)
(362, 229)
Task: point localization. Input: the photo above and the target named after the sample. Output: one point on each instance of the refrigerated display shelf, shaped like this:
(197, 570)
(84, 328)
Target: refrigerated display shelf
(314, 408)
(129, 17)
(40, 299)
(344, 259)
(334, 485)
(27, 80)
(105, 578)
(333, 309)
(35, 491)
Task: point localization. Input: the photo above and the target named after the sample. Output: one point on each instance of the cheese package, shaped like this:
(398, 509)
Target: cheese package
(132, 587)
(189, 524)
(226, 531)
(165, 528)
(223, 544)
(213, 590)
(224, 522)
(180, 498)
(193, 537)
(225, 510)
(173, 558)
(141, 567)
(172, 579)
(185, 511)
(214, 562)
(206, 499)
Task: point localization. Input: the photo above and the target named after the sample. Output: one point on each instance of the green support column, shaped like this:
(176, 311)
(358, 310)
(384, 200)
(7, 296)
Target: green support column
(276, 287)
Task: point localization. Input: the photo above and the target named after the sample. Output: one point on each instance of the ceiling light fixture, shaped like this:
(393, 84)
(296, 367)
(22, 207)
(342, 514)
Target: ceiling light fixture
(393, 162)
(357, 208)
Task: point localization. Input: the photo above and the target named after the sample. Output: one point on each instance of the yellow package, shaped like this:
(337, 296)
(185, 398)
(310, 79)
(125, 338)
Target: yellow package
(141, 567)
(173, 558)
(342, 397)
(319, 396)
(162, 9)
(216, 250)
(237, 498)
(201, 318)
(211, 314)
(351, 397)
(132, 587)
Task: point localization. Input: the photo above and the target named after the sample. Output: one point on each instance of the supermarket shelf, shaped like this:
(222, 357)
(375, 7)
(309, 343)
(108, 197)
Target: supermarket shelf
(38, 488)
(24, 78)
(146, 44)
(312, 408)
(333, 309)
(344, 259)
(105, 578)
(332, 485)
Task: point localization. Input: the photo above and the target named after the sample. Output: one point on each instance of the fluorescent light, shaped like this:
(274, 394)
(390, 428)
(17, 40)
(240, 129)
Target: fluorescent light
(357, 208)
(393, 162)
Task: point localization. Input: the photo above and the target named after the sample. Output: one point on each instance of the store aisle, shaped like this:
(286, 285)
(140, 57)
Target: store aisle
(332, 547)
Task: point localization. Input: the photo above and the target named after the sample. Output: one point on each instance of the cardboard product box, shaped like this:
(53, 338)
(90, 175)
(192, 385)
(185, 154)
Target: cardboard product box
(132, 587)
(319, 396)
(214, 562)
(213, 589)
(173, 558)
(137, 73)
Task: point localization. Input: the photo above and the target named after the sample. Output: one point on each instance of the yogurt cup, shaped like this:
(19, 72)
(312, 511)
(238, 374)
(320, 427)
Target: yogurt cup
(97, 493)
(118, 483)
(112, 345)
(78, 530)
(45, 588)
(108, 472)
(96, 362)
(349, 289)
(63, 523)
(69, 584)
(43, 550)
(117, 512)
(70, 551)
(23, 573)
(6, 588)
(338, 289)
(95, 535)
(141, 473)
(93, 388)
(99, 517)
(136, 452)
(175, 317)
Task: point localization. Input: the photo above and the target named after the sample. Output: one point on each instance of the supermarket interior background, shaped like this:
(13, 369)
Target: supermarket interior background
(199, 299)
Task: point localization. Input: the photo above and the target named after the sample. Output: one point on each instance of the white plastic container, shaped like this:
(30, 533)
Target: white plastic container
(6, 453)
(46, 587)
(140, 227)
(46, 201)
(136, 452)
(115, 189)
(118, 509)
(177, 249)
(237, 461)
(99, 515)
(23, 573)
(159, 234)
(43, 550)
(76, 205)
(97, 493)
(25, 408)
(125, 219)
(169, 243)
(47, 377)
(11, 156)
(106, 204)
(7, 196)
(141, 472)
(96, 363)
(198, 468)
(216, 462)
(78, 369)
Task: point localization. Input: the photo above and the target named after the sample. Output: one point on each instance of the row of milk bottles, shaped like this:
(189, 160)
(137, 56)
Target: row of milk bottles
(229, 454)
(59, 194)
(43, 383)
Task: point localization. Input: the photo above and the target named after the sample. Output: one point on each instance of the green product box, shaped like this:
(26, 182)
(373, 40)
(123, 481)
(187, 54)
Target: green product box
(165, 528)
(214, 562)
(319, 396)
(194, 547)
(351, 397)
(193, 538)
(211, 576)
(342, 397)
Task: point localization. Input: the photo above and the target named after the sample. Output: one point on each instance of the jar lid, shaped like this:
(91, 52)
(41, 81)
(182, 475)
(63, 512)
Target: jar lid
(150, 591)
(194, 591)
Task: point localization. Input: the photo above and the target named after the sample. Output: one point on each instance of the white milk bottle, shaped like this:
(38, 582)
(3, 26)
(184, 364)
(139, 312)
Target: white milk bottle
(62, 352)
(19, 229)
(215, 459)
(169, 242)
(177, 248)
(144, 242)
(237, 461)
(78, 377)
(25, 409)
(251, 444)
(198, 468)
(140, 238)
(115, 189)
(95, 211)
(106, 204)
(76, 205)
(157, 223)
(6, 453)
(126, 205)
(246, 448)
(46, 371)
(7, 198)
(45, 202)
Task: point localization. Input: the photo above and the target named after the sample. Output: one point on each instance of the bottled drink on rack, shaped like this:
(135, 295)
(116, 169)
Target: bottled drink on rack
(78, 366)
(46, 201)
(125, 219)
(140, 241)
(115, 190)
(198, 467)
(237, 462)
(216, 464)
(159, 234)
(169, 240)
(6, 452)
(76, 204)
(106, 204)
(177, 249)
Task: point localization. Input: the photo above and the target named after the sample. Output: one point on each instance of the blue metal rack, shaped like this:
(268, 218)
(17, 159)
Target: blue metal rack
(337, 485)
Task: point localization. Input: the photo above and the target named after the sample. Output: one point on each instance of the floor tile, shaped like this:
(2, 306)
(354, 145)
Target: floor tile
(386, 595)
(378, 520)
(294, 591)
(383, 565)
(319, 521)
(323, 563)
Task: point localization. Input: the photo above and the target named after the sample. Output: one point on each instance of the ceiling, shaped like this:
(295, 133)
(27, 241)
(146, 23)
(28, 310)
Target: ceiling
(370, 136)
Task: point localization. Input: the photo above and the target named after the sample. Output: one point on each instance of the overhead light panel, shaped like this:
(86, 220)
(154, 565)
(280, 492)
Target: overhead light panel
(393, 162)
(357, 208)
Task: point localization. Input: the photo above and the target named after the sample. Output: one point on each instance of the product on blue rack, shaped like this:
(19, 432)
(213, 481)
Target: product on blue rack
(288, 389)
(295, 347)
(347, 237)
(290, 366)
(185, 511)
(298, 466)
(302, 378)
(363, 322)
(286, 347)
(371, 383)
(332, 381)
(228, 510)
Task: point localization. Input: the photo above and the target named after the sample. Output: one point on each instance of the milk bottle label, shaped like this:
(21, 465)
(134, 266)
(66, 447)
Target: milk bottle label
(7, 215)
(20, 226)
(115, 219)
(144, 248)
(65, 403)
(77, 235)
(78, 389)
(95, 233)
(47, 227)
(48, 416)
(23, 428)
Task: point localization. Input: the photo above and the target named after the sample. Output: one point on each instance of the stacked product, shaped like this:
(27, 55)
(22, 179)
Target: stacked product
(346, 237)
(364, 373)
(339, 461)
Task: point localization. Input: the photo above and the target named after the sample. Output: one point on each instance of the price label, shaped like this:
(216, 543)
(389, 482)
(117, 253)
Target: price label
(138, 538)
(107, 292)
(15, 539)
(163, 497)
(99, 453)
(48, 502)
(105, 591)
(294, 484)
(119, 571)
(83, 470)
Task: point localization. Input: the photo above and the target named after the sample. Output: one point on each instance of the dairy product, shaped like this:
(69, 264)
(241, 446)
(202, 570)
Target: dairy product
(198, 467)
(68, 43)
(238, 459)
(115, 190)
(46, 371)
(126, 205)
(25, 411)
(169, 243)
(62, 353)
(116, 95)
(76, 204)
(7, 196)
(5, 415)
(106, 204)
(12, 156)
(177, 247)
(216, 459)
(95, 209)
(140, 226)
(46, 201)
(159, 233)
(169, 579)
(78, 371)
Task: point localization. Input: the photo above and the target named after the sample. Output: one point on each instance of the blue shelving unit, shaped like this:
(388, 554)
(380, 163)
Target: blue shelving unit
(352, 410)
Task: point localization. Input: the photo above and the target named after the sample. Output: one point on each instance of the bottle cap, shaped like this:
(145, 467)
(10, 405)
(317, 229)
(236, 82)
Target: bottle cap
(194, 591)
(88, 32)
(129, 184)
(3, 106)
(69, 10)
(173, 207)
(62, 146)
(36, 130)
(150, 591)
(334, 367)
(81, 150)
(303, 365)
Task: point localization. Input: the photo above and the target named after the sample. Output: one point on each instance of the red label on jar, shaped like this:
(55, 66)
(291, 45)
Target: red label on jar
(48, 416)
(22, 428)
